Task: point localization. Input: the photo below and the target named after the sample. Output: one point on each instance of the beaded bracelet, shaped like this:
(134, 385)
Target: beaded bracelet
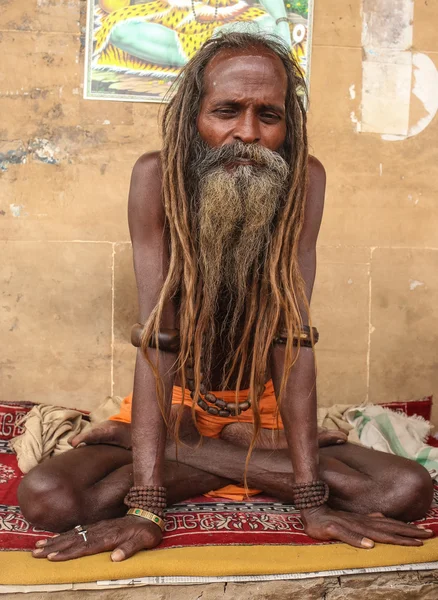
(310, 495)
(150, 498)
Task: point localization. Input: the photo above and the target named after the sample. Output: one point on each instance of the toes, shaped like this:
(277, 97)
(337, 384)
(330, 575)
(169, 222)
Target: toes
(331, 437)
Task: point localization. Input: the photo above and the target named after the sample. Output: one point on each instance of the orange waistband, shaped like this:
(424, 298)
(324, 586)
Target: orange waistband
(268, 404)
(227, 395)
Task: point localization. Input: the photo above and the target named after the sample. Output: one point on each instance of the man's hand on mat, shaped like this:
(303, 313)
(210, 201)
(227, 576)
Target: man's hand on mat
(361, 531)
(122, 537)
(108, 432)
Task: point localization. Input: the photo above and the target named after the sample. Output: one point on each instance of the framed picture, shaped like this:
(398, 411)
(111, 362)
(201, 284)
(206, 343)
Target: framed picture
(135, 49)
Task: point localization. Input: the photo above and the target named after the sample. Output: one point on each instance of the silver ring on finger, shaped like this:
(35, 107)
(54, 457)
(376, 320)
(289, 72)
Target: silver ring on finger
(82, 531)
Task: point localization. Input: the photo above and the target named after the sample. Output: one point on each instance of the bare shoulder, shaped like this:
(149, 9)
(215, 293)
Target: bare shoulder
(146, 179)
(316, 183)
(314, 204)
(145, 206)
(148, 164)
(317, 172)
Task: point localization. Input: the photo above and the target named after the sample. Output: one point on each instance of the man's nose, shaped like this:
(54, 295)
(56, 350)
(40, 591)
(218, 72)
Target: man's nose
(247, 129)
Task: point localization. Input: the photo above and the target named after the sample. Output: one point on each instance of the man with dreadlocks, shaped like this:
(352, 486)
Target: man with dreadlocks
(224, 224)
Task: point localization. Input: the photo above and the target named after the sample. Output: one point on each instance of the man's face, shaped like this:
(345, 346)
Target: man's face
(244, 99)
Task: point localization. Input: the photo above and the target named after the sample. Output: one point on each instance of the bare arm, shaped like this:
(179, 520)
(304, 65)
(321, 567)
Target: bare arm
(298, 408)
(278, 12)
(127, 535)
(150, 248)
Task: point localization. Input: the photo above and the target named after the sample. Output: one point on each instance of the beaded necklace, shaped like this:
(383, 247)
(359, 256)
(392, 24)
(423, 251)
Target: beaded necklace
(216, 406)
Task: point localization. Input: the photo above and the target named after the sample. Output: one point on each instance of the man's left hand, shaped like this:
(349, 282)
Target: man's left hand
(361, 531)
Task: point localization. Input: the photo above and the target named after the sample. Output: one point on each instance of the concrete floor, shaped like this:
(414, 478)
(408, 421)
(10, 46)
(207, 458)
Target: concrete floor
(411, 585)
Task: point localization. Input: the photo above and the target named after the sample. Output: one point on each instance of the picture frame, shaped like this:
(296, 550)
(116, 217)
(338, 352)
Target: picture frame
(135, 49)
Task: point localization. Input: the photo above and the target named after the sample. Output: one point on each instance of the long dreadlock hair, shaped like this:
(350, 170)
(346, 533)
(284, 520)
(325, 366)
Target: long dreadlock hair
(276, 290)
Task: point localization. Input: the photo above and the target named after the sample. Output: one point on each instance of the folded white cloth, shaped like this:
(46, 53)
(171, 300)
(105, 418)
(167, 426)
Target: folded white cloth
(333, 417)
(396, 433)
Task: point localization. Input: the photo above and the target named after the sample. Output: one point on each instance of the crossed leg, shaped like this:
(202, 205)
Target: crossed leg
(88, 484)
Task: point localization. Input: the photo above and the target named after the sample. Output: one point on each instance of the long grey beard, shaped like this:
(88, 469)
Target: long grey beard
(236, 210)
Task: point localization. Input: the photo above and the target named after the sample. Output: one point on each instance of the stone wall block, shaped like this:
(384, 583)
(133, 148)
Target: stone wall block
(81, 130)
(340, 312)
(146, 118)
(82, 202)
(61, 16)
(337, 23)
(55, 322)
(425, 38)
(95, 113)
(31, 113)
(39, 60)
(404, 322)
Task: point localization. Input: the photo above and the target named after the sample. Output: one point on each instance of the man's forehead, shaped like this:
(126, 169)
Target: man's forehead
(253, 66)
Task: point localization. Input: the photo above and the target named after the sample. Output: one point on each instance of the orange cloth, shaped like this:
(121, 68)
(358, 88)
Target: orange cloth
(212, 425)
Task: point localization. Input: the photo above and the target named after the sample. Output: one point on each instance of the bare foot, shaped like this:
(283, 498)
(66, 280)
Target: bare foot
(107, 432)
(330, 437)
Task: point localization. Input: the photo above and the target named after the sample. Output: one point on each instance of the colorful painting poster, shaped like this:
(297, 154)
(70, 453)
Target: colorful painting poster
(135, 49)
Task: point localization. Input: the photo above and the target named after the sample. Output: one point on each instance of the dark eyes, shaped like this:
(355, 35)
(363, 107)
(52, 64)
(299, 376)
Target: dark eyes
(232, 112)
(225, 112)
(270, 116)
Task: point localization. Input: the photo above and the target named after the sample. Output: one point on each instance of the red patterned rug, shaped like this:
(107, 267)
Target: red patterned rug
(196, 522)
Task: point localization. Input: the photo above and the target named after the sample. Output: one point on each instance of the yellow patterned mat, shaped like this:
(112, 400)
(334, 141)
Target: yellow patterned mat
(20, 568)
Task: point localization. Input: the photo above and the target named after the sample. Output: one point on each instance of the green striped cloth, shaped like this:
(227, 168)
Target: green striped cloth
(390, 431)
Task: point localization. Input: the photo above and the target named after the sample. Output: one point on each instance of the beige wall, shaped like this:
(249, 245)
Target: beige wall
(67, 290)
